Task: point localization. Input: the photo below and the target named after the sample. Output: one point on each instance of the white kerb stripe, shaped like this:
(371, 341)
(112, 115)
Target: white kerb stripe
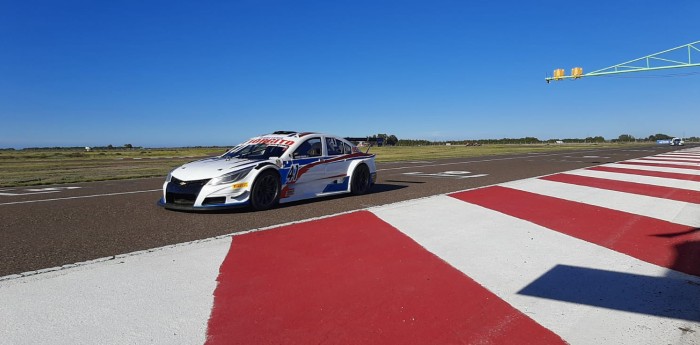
(676, 163)
(505, 254)
(649, 180)
(664, 209)
(654, 168)
(684, 152)
(666, 158)
(160, 297)
(678, 156)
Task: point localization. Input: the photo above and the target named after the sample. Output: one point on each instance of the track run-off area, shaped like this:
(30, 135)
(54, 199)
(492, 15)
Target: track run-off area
(604, 252)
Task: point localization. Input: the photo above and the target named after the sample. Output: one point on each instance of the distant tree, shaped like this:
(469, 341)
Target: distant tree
(392, 140)
(128, 146)
(413, 142)
(110, 146)
(625, 137)
(659, 136)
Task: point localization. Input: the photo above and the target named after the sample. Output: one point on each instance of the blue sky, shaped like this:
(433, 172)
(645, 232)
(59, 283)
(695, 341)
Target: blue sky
(188, 73)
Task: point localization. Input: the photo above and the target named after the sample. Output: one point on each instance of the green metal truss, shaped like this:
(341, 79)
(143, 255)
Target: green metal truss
(660, 60)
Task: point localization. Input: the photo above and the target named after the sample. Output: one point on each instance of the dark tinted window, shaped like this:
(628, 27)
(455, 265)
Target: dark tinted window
(334, 146)
(309, 148)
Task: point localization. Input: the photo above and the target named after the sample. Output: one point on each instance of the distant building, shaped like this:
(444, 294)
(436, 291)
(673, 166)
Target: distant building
(88, 148)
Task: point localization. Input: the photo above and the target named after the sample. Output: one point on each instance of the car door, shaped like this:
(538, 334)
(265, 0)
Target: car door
(336, 176)
(306, 172)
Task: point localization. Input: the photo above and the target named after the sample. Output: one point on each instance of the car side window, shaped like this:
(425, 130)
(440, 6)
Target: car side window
(347, 149)
(309, 148)
(334, 146)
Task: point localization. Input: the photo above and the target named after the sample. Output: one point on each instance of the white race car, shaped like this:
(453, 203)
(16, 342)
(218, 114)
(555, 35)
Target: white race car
(676, 142)
(274, 168)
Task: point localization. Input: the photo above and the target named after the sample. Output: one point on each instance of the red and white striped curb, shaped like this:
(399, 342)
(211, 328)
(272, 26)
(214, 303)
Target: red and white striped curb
(608, 254)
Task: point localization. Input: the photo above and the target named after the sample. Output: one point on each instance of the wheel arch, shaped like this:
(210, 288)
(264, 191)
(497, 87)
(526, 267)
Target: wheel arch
(353, 166)
(369, 162)
(371, 171)
(266, 166)
(262, 171)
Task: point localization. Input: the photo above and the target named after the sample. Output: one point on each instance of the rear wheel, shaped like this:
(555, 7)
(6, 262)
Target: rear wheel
(266, 191)
(360, 180)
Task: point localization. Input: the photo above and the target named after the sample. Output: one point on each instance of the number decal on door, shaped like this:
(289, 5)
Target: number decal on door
(292, 174)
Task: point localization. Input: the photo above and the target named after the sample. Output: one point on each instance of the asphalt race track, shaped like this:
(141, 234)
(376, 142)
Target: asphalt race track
(49, 226)
(594, 247)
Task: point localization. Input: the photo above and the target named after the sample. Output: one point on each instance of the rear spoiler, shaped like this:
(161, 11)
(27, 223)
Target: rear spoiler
(370, 141)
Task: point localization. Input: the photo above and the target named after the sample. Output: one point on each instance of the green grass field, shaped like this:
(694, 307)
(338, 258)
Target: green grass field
(31, 168)
(405, 153)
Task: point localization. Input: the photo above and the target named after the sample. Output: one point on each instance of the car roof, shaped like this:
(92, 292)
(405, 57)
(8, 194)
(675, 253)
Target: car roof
(288, 137)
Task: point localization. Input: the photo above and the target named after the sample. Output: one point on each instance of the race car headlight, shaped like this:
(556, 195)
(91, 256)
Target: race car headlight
(230, 177)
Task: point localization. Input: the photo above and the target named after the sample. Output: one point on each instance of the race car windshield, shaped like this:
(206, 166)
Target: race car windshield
(255, 151)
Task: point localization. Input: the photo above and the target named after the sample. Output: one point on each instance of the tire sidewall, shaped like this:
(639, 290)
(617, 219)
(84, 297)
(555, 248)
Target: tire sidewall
(256, 186)
(355, 189)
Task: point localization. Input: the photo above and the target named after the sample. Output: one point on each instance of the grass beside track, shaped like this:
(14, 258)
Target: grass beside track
(433, 152)
(49, 167)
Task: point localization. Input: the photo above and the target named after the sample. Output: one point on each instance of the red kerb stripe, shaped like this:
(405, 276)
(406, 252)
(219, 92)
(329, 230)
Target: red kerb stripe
(354, 279)
(664, 165)
(667, 160)
(656, 241)
(690, 156)
(628, 187)
(676, 176)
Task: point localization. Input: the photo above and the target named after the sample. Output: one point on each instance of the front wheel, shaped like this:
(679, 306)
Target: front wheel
(265, 193)
(360, 180)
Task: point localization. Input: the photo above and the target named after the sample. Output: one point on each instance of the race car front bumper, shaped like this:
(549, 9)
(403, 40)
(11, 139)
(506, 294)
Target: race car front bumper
(199, 195)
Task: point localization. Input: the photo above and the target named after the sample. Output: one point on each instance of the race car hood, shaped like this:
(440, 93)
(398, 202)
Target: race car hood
(210, 168)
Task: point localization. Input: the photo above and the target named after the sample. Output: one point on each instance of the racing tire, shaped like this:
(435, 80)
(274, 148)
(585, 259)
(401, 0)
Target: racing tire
(361, 180)
(265, 193)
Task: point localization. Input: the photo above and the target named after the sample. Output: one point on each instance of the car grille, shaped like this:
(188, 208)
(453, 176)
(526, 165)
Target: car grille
(181, 192)
(219, 200)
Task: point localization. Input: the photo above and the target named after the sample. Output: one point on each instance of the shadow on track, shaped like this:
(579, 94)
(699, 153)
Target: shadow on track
(376, 189)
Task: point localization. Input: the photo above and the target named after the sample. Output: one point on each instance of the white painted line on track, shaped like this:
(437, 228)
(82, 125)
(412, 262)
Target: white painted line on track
(447, 174)
(506, 255)
(32, 193)
(79, 197)
(649, 180)
(664, 209)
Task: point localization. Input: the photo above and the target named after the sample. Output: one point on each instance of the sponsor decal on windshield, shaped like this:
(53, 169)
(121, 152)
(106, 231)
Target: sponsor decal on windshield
(271, 141)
